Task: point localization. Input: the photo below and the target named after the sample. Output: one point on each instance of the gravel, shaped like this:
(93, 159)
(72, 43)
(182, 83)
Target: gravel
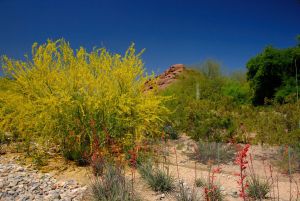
(24, 184)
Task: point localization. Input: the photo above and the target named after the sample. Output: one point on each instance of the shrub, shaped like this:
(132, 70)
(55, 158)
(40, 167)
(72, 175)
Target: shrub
(112, 186)
(288, 159)
(71, 96)
(171, 132)
(214, 152)
(157, 178)
(39, 158)
(213, 193)
(257, 188)
(200, 182)
(185, 194)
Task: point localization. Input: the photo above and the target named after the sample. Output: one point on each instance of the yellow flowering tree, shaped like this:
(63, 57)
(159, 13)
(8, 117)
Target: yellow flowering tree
(71, 97)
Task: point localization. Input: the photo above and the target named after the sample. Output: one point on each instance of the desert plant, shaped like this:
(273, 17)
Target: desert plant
(185, 194)
(39, 158)
(58, 93)
(200, 182)
(257, 188)
(112, 186)
(214, 152)
(212, 191)
(242, 162)
(157, 178)
(286, 154)
(171, 132)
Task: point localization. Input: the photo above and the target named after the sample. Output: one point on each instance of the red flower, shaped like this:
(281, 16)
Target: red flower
(242, 162)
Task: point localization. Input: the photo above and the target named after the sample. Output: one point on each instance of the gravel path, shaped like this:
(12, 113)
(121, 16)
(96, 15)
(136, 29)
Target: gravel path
(24, 184)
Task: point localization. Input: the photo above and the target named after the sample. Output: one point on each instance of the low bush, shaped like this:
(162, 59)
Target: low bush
(214, 152)
(257, 188)
(157, 178)
(185, 194)
(200, 182)
(69, 97)
(112, 186)
(289, 159)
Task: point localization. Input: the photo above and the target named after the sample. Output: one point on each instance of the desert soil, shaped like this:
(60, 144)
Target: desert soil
(66, 176)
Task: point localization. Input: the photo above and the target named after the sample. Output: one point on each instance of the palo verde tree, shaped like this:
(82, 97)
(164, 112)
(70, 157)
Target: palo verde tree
(75, 97)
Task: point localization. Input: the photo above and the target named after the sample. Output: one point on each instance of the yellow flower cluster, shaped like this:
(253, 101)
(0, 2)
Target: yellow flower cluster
(60, 90)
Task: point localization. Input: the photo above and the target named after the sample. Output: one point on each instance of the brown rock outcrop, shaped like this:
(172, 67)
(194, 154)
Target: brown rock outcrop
(166, 78)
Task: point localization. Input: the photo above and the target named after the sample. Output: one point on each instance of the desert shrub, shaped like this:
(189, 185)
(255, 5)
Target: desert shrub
(69, 97)
(257, 188)
(214, 193)
(185, 194)
(39, 158)
(171, 132)
(288, 159)
(158, 179)
(199, 108)
(212, 152)
(200, 182)
(211, 191)
(239, 92)
(112, 186)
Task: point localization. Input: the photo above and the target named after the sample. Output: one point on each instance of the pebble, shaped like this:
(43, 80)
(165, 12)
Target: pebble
(24, 184)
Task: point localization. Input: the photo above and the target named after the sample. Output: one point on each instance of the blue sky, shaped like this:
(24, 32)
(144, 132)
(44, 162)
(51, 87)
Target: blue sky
(171, 31)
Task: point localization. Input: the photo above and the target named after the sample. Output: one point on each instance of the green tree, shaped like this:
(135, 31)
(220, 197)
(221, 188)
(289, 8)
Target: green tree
(270, 71)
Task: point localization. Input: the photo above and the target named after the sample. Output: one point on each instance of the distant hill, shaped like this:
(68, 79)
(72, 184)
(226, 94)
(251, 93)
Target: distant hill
(168, 77)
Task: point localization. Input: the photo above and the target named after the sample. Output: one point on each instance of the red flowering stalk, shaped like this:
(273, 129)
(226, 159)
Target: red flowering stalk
(176, 162)
(242, 162)
(97, 157)
(133, 164)
(209, 190)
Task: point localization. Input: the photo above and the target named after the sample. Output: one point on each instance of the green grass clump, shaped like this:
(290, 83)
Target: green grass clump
(200, 182)
(258, 189)
(157, 178)
(112, 186)
(213, 152)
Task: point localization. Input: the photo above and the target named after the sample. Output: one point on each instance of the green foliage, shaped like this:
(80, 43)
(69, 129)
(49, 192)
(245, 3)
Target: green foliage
(210, 68)
(239, 92)
(200, 182)
(288, 159)
(199, 108)
(271, 70)
(112, 186)
(258, 189)
(215, 194)
(219, 109)
(73, 97)
(157, 178)
(213, 153)
(171, 132)
(39, 158)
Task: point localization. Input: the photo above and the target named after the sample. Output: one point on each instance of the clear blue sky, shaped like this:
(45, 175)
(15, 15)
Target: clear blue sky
(172, 31)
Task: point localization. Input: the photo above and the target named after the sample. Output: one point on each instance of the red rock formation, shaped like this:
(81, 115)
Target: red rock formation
(167, 77)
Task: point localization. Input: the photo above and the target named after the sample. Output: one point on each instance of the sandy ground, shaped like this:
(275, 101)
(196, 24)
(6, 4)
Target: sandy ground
(188, 170)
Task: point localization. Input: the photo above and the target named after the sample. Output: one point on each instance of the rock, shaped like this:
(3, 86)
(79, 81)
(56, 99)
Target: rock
(166, 78)
(234, 194)
(162, 196)
(22, 184)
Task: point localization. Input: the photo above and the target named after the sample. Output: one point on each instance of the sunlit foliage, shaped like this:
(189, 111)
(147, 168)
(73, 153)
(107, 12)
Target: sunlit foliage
(72, 97)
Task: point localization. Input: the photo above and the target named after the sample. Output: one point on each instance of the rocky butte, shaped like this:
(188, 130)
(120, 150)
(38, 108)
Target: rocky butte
(166, 78)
